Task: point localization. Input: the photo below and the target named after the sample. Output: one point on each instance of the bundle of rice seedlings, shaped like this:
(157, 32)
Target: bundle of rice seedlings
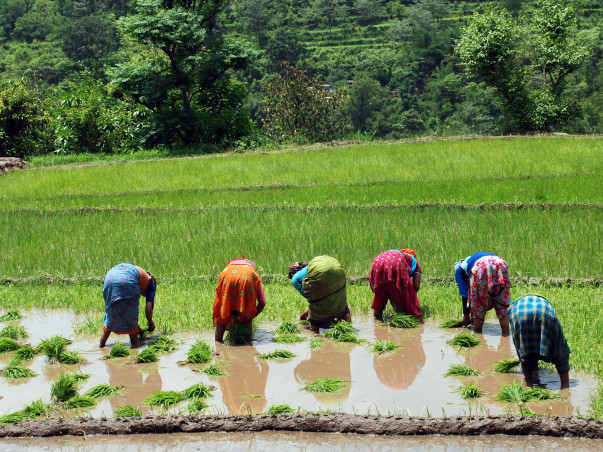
(79, 401)
(288, 327)
(31, 411)
(8, 345)
(278, 354)
(65, 387)
(101, 391)
(198, 390)
(343, 332)
(506, 365)
(26, 352)
(242, 334)
(516, 393)
(196, 405)
(80, 376)
(9, 316)
(164, 344)
(465, 340)
(70, 357)
(384, 347)
(200, 352)
(471, 391)
(119, 350)
(147, 355)
(287, 339)
(213, 370)
(280, 409)
(540, 394)
(127, 411)
(316, 343)
(15, 370)
(451, 323)
(460, 369)
(328, 384)
(404, 321)
(350, 337)
(165, 399)
(53, 346)
(14, 332)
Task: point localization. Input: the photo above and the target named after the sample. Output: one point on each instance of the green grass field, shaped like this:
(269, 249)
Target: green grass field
(183, 219)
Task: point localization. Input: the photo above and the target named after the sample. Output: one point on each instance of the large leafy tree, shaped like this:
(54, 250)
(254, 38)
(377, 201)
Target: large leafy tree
(183, 76)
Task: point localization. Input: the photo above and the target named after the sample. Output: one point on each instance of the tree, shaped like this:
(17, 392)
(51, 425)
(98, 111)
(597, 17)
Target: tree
(490, 50)
(329, 10)
(41, 20)
(186, 64)
(254, 15)
(366, 97)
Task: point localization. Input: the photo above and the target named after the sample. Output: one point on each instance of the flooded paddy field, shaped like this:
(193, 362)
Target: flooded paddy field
(410, 381)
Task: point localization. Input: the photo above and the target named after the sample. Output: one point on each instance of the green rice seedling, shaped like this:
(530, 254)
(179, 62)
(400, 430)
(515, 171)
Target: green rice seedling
(196, 405)
(384, 347)
(31, 411)
(343, 332)
(252, 396)
(213, 370)
(506, 365)
(147, 355)
(278, 354)
(280, 409)
(516, 393)
(465, 340)
(316, 343)
(119, 350)
(14, 332)
(101, 391)
(164, 344)
(80, 376)
(8, 345)
(14, 370)
(242, 334)
(165, 399)
(540, 394)
(328, 384)
(53, 346)
(199, 390)
(200, 352)
(470, 391)
(26, 352)
(451, 323)
(11, 315)
(127, 411)
(403, 321)
(461, 370)
(288, 327)
(65, 387)
(287, 339)
(70, 357)
(79, 401)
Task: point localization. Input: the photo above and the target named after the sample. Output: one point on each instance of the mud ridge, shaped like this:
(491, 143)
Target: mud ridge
(324, 423)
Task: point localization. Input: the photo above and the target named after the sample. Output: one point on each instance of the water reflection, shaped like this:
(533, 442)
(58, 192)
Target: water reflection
(140, 381)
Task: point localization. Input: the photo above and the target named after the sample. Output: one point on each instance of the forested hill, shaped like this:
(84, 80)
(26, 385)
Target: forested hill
(396, 60)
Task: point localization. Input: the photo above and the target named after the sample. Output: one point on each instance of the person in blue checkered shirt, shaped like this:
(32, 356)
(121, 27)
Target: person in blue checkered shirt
(538, 335)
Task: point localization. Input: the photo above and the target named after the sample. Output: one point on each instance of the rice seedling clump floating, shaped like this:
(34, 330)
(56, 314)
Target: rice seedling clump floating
(451, 323)
(506, 365)
(199, 390)
(280, 409)
(384, 347)
(14, 332)
(213, 370)
(165, 399)
(53, 346)
(329, 385)
(465, 340)
(287, 339)
(196, 405)
(516, 393)
(14, 370)
(242, 334)
(8, 345)
(26, 352)
(343, 332)
(278, 354)
(403, 321)
(147, 355)
(119, 350)
(316, 343)
(65, 387)
(164, 344)
(127, 411)
(288, 327)
(461, 370)
(80, 401)
(11, 315)
(471, 391)
(70, 357)
(102, 391)
(200, 352)
(35, 409)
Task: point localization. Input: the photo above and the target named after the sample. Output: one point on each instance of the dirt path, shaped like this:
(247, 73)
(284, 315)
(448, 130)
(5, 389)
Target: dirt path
(326, 423)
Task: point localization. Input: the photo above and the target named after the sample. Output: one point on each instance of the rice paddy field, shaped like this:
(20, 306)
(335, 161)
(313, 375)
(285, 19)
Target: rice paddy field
(535, 201)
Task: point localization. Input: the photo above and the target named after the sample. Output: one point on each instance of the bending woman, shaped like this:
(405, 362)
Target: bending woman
(396, 276)
(538, 335)
(463, 272)
(124, 284)
(322, 281)
(489, 287)
(237, 292)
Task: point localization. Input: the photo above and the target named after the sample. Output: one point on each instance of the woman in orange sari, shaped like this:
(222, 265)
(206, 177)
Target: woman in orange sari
(237, 292)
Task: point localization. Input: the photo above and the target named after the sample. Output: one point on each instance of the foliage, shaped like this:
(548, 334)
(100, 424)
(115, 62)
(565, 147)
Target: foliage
(328, 385)
(464, 340)
(343, 332)
(459, 369)
(33, 410)
(8, 345)
(165, 399)
(65, 387)
(213, 370)
(471, 391)
(79, 401)
(53, 347)
(200, 352)
(147, 355)
(384, 347)
(298, 106)
(127, 411)
(198, 390)
(280, 409)
(288, 327)
(316, 343)
(241, 334)
(26, 352)
(119, 350)
(15, 370)
(11, 315)
(516, 393)
(506, 365)
(287, 339)
(101, 391)
(403, 321)
(163, 344)
(277, 354)
(451, 323)
(196, 405)
(14, 332)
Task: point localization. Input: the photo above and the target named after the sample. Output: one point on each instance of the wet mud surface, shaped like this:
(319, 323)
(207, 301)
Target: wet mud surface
(408, 382)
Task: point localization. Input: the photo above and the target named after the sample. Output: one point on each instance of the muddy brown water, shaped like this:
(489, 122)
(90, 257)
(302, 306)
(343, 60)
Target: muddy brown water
(409, 381)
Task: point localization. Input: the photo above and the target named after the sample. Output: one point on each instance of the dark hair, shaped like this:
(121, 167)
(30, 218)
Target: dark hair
(295, 267)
